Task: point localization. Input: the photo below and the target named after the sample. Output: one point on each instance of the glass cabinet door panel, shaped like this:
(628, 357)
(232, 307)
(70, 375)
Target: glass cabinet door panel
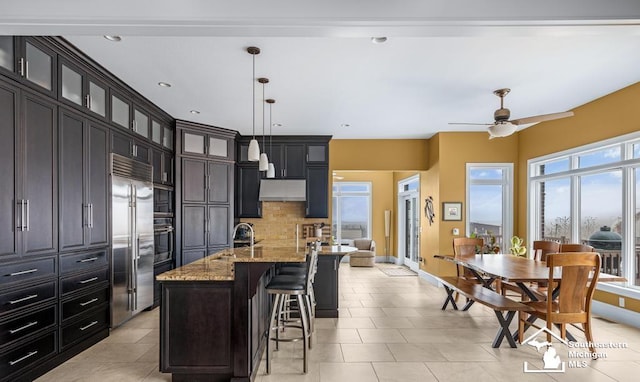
(167, 138)
(6, 53)
(38, 67)
(156, 131)
(217, 147)
(141, 125)
(193, 143)
(97, 99)
(316, 153)
(71, 85)
(119, 112)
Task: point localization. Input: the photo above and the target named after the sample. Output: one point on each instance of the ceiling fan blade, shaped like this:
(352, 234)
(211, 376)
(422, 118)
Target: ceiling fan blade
(541, 118)
(466, 123)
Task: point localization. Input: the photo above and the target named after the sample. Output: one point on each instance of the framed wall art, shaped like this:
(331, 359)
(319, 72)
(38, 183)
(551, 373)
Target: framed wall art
(451, 210)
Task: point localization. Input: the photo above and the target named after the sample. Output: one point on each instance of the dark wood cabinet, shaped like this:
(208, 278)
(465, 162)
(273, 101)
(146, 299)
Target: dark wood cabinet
(28, 222)
(129, 147)
(326, 286)
(288, 160)
(77, 88)
(247, 190)
(83, 182)
(317, 204)
(162, 163)
(31, 62)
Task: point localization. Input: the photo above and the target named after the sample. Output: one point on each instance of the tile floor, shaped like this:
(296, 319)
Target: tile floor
(390, 329)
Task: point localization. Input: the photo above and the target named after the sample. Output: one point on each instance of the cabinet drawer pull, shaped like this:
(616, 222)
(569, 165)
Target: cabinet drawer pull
(88, 302)
(24, 272)
(14, 331)
(88, 326)
(31, 354)
(23, 299)
(88, 260)
(88, 280)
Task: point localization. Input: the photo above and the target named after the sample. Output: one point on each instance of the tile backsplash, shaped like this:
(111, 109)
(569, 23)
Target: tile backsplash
(277, 227)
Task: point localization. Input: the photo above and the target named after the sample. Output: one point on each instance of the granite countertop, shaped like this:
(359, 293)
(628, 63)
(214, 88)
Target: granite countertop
(220, 265)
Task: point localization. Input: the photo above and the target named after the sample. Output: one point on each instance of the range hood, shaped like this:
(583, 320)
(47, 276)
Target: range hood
(283, 190)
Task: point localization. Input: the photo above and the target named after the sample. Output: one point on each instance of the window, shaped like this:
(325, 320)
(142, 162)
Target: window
(351, 210)
(593, 198)
(489, 196)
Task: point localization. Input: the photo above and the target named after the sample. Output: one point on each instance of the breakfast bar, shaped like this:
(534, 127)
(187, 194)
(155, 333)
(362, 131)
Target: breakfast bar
(215, 311)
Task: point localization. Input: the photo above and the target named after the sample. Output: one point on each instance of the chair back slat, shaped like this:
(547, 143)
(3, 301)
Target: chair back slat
(464, 246)
(576, 290)
(572, 247)
(541, 248)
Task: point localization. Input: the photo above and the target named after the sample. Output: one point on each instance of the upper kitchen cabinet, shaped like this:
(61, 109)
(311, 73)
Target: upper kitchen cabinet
(81, 90)
(29, 61)
(129, 147)
(206, 145)
(28, 159)
(317, 153)
(162, 163)
(288, 159)
(141, 122)
(120, 110)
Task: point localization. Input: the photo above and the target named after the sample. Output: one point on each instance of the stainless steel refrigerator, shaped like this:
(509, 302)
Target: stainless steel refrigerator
(132, 242)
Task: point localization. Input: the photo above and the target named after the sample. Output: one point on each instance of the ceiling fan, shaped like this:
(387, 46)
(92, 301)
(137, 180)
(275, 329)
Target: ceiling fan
(503, 127)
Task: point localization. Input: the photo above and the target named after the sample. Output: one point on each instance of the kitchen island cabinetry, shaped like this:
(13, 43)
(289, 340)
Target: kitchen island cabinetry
(215, 311)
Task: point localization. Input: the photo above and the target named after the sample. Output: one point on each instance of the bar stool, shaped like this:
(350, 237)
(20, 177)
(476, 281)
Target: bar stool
(283, 287)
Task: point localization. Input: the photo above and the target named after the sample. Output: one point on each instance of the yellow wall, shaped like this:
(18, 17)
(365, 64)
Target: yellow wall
(377, 154)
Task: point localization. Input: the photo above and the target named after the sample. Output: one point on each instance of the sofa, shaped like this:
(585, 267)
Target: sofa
(365, 256)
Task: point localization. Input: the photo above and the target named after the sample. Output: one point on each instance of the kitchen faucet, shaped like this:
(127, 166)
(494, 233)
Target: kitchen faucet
(235, 229)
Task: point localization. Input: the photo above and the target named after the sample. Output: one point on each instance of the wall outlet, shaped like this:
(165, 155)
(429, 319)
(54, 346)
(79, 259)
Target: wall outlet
(456, 231)
(621, 302)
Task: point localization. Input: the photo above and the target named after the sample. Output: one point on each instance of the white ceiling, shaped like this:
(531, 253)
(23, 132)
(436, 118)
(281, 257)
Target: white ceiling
(440, 64)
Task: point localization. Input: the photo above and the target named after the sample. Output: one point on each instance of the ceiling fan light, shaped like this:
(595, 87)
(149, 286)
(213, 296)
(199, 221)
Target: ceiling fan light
(271, 171)
(501, 129)
(264, 162)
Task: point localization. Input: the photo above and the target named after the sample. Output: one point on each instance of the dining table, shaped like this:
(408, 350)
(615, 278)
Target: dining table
(522, 271)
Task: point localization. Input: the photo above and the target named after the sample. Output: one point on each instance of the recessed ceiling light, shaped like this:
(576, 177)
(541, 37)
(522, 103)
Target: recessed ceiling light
(378, 40)
(113, 38)
(345, 125)
(277, 125)
(164, 84)
(194, 112)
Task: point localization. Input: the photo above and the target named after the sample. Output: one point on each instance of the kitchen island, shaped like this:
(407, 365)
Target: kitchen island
(215, 311)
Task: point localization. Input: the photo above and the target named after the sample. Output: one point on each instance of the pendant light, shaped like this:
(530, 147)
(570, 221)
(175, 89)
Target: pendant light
(254, 148)
(264, 160)
(271, 170)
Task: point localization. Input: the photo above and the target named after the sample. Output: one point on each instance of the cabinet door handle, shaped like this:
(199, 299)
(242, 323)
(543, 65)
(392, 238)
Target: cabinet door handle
(90, 259)
(88, 280)
(87, 101)
(90, 215)
(88, 326)
(31, 354)
(32, 296)
(14, 331)
(165, 177)
(88, 302)
(335, 264)
(24, 272)
(26, 68)
(21, 62)
(27, 215)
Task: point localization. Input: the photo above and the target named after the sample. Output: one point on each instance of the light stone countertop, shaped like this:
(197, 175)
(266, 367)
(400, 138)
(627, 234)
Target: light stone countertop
(220, 265)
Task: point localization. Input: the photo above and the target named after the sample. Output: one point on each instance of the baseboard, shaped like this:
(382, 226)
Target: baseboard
(615, 313)
(429, 277)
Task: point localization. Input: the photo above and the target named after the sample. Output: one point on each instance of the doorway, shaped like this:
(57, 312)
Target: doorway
(409, 223)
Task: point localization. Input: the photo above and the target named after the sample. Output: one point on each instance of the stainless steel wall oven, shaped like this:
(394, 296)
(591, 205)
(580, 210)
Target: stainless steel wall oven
(164, 238)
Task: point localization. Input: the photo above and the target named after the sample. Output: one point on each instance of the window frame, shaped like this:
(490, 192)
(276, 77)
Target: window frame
(339, 193)
(627, 165)
(507, 196)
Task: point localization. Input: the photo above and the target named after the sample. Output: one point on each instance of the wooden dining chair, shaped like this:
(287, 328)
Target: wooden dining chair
(580, 272)
(541, 248)
(466, 246)
(572, 247)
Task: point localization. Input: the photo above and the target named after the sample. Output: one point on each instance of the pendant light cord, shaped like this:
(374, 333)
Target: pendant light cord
(253, 108)
(263, 101)
(270, 127)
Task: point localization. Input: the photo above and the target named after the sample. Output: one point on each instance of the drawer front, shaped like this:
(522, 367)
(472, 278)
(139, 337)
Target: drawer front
(81, 304)
(85, 280)
(26, 355)
(85, 326)
(80, 262)
(27, 270)
(18, 328)
(26, 297)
